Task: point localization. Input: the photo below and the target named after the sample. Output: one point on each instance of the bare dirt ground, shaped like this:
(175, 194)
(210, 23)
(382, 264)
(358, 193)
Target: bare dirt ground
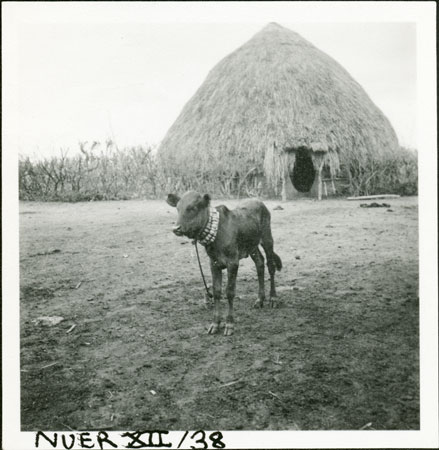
(340, 350)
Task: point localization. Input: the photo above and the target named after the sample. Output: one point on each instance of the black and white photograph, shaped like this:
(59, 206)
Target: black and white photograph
(219, 225)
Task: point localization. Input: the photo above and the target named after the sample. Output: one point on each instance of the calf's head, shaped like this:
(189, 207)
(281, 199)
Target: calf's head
(193, 213)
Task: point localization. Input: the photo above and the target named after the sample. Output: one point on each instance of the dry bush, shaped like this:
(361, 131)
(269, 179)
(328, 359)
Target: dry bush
(105, 172)
(98, 172)
(396, 174)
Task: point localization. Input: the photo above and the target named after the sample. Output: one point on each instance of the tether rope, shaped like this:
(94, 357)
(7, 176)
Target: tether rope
(201, 270)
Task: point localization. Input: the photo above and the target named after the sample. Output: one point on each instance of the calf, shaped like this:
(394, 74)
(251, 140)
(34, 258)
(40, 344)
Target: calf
(228, 236)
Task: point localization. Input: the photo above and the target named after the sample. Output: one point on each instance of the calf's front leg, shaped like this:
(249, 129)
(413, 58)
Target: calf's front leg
(217, 279)
(232, 272)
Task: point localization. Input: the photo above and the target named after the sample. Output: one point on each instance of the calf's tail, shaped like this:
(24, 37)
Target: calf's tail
(267, 239)
(277, 261)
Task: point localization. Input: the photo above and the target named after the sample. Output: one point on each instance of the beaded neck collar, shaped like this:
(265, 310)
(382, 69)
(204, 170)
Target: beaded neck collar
(208, 235)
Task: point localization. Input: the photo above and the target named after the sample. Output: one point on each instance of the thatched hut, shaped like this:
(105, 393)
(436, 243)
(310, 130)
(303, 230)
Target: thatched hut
(280, 109)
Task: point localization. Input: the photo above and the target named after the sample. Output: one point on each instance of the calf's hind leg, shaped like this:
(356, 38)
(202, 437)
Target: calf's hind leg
(269, 252)
(258, 259)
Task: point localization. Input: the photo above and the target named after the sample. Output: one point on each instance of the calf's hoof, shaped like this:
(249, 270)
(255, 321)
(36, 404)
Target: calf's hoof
(213, 328)
(228, 330)
(277, 303)
(258, 304)
(273, 303)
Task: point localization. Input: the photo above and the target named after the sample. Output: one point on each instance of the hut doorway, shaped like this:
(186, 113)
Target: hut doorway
(303, 174)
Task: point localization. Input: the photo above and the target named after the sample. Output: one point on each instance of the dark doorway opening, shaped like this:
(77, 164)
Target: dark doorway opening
(303, 173)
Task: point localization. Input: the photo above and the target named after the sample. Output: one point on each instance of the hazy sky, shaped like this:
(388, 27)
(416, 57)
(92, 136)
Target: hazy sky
(82, 75)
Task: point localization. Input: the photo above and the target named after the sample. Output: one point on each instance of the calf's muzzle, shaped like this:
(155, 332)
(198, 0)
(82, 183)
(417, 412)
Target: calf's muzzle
(177, 230)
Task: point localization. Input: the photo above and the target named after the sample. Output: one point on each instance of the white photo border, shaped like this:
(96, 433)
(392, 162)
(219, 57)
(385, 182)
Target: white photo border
(423, 14)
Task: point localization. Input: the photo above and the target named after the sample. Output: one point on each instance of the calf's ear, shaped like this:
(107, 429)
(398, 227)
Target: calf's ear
(172, 200)
(206, 199)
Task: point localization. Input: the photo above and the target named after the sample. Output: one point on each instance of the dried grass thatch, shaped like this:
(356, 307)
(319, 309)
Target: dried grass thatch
(276, 92)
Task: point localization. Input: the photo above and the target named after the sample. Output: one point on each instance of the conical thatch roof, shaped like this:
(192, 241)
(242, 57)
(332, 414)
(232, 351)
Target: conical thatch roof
(277, 91)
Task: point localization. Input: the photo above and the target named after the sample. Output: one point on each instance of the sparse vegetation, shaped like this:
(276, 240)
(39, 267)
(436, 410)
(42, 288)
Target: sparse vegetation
(397, 174)
(98, 172)
(105, 172)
